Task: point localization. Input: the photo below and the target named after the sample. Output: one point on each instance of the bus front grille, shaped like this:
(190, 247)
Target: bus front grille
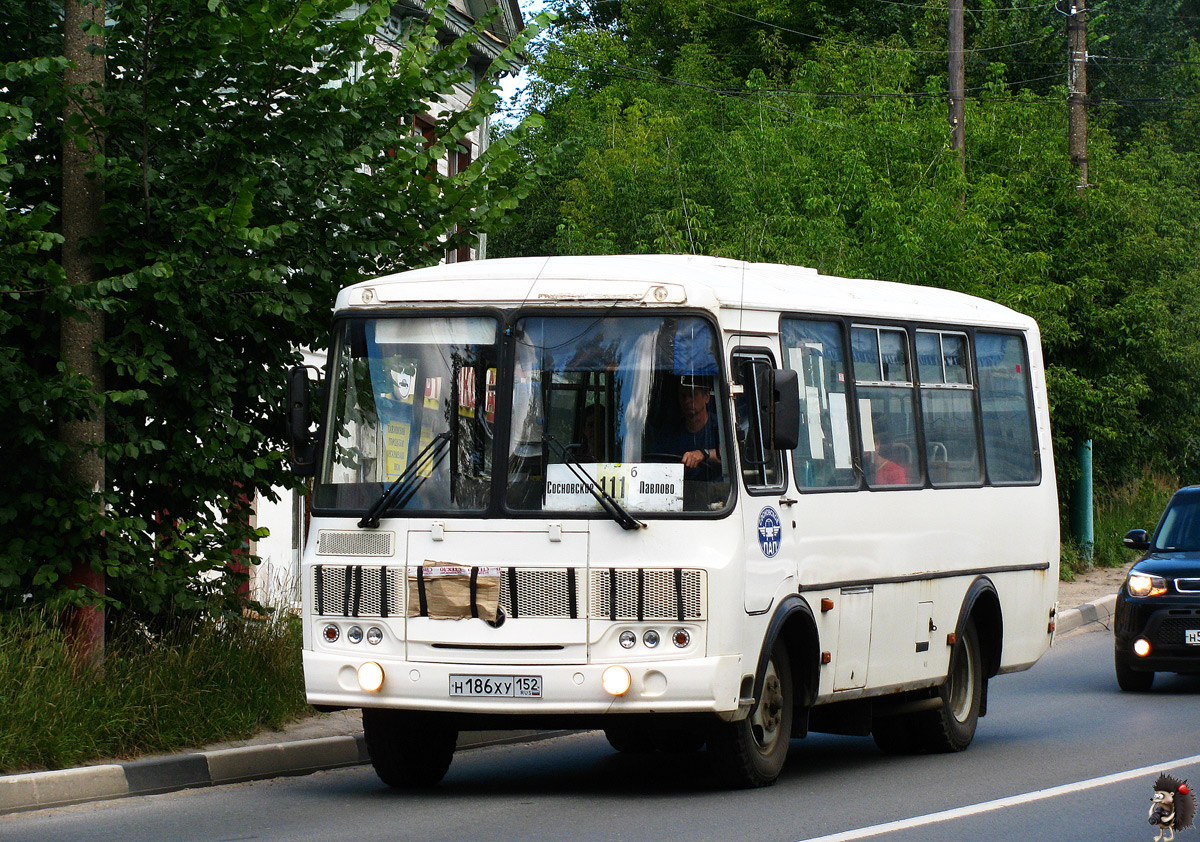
(631, 594)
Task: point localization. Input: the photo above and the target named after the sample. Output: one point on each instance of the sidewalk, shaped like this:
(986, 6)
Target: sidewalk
(323, 741)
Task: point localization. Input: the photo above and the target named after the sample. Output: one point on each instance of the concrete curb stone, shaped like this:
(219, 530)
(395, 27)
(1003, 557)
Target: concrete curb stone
(60, 788)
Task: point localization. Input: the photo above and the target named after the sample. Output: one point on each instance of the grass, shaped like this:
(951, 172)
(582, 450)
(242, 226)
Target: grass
(152, 694)
(1137, 505)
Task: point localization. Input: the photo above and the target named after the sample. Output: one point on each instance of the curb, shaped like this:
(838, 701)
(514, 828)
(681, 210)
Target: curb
(1071, 619)
(64, 787)
(61, 788)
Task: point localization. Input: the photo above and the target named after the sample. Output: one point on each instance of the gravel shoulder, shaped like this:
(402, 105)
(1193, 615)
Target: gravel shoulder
(1091, 585)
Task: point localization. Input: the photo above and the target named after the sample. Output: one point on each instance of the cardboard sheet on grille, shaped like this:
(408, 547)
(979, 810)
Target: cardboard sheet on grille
(453, 592)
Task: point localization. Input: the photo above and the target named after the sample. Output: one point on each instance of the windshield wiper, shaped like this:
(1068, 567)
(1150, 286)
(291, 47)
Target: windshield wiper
(607, 502)
(404, 487)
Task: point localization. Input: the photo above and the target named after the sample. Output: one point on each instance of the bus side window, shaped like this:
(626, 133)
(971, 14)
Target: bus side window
(948, 408)
(886, 408)
(815, 350)
(762, 464)
(1009, 441)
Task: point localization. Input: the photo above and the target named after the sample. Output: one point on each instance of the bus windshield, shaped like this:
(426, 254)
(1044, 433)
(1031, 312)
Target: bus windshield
(397, 385)
(632, 403)
(635, 400)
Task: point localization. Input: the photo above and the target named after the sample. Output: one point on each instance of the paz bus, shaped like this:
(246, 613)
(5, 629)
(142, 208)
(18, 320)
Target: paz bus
(697, 503)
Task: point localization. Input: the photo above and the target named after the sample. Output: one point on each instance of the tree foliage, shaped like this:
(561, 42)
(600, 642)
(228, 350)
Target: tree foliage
(258, 156)
(832, 151)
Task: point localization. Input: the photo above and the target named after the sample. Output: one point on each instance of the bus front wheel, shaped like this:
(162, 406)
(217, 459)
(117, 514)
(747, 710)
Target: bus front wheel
(751, 752)
(408, 749)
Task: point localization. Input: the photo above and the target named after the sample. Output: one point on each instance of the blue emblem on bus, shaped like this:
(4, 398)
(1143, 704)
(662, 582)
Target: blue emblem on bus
(769, 531)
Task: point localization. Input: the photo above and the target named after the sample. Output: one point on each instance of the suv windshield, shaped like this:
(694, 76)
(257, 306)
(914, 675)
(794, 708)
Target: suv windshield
(1180, 527)
(636, 400)
(397, 384)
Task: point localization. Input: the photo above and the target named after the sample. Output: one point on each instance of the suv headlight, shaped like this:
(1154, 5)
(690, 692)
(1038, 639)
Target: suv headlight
(1141, 584)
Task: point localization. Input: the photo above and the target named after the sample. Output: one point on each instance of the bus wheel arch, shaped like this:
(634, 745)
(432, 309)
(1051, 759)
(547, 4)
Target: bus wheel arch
(751, 752)
(793, 624)
(981, 605)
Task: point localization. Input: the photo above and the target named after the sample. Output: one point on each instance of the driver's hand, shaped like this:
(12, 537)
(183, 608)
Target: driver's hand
(693, 458)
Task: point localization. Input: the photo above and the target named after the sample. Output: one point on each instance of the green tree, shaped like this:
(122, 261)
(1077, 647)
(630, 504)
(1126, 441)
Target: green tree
(258, 157)
(838, 158)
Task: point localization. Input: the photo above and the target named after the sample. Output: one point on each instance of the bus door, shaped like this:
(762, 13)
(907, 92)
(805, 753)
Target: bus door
(768, 522)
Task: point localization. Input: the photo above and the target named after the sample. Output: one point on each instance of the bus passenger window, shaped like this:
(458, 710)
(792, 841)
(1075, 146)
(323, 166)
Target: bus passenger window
(815, 351)
(948, 409)
(1009, 444)
(886, 412)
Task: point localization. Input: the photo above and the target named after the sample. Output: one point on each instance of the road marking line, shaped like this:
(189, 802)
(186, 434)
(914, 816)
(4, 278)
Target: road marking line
(1001, 803)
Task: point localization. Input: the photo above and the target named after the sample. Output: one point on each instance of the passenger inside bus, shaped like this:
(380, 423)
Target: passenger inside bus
(591, 439)
(888, 460)
(696, 438)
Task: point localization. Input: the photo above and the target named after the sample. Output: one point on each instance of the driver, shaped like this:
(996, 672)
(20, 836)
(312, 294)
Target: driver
(697, 440)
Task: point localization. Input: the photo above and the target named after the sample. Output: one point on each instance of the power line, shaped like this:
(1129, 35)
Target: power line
(835, 42)
(740, 96)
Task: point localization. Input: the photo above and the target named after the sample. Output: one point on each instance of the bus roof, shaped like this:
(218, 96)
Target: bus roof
(713, 282)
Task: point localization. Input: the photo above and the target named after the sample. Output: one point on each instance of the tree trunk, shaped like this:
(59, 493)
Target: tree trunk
(81, 331)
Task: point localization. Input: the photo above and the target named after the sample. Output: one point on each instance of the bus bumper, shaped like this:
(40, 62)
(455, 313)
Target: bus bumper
(699, 685)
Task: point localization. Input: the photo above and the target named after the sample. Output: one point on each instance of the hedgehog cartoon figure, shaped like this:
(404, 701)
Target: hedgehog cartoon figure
(1172, 808)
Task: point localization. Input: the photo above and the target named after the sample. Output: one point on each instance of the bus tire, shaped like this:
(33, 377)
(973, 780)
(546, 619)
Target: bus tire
(408, 749)
(951, 727)
(751, 752)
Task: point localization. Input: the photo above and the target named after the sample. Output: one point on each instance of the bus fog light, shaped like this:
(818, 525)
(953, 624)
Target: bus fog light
(628, 638)
(354, 634)
(1141, 647)
(681, 638)
(331, 633)
(370, 676)
(616, 681)
(651, 638)
(374, 635)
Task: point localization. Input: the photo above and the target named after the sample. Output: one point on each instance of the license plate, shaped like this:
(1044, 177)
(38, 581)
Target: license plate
(497, 686)
(1191, 637)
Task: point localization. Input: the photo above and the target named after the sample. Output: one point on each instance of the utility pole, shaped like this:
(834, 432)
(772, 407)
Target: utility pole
(1077, 89)
(81, 331)
(957, 85)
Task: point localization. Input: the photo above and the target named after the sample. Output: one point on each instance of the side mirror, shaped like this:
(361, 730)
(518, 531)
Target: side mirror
(298, 418)
(1137, 539)
(785, 391)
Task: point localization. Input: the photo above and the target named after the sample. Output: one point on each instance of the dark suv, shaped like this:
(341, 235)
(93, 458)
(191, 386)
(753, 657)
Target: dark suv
(1157, 622)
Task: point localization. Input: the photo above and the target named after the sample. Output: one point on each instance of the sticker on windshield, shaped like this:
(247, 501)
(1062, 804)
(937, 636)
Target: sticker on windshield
(644, 487)
(769, 531)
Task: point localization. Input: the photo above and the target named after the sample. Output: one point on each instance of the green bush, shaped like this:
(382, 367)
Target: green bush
(154, 692)
(1136, 505)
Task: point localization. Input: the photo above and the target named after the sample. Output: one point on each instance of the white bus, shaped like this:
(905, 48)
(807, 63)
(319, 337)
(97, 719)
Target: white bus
(693, 502)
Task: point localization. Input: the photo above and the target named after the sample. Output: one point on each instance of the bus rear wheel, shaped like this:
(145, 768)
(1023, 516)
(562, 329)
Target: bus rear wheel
(950, 727)
(408, 749)
(751, 752)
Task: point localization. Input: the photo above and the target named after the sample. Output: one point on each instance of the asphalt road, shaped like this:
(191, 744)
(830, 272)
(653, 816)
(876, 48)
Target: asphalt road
(1062, 755)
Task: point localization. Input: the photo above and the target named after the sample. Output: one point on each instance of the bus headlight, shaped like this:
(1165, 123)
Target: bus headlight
(616, 680)
(374, 635)
(627, 639)
(370, 676)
